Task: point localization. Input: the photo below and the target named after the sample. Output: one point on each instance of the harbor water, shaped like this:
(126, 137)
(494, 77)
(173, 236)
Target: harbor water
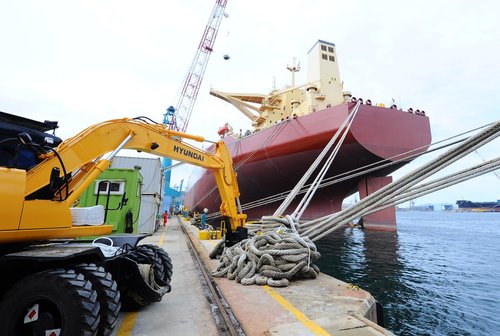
(438, 275)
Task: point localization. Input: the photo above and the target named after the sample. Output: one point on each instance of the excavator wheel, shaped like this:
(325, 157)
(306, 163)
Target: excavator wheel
(54, 302)
(146, 255)
(165, 277)
(167, 265)
(107, 295)
(157, 259)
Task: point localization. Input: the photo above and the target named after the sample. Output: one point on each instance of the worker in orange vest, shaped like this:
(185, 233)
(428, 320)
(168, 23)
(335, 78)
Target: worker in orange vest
(165, 218)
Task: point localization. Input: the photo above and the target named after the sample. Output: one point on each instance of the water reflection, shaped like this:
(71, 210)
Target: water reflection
(365, 258)
(437, 276)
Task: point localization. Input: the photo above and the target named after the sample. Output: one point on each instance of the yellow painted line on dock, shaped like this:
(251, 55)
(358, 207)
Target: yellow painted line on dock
(127, 324)
(310, 324)
(162, 237)
(129, 319)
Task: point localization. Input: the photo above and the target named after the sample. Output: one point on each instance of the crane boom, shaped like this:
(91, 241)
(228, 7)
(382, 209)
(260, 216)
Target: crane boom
(178, 118)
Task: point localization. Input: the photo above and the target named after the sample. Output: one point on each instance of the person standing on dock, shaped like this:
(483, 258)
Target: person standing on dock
(204, 219)
(165, 218)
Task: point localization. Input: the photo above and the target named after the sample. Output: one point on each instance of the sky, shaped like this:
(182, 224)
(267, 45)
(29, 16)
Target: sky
(84, 62)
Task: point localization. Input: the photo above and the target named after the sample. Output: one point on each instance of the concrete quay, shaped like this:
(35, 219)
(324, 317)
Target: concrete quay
(323, 306)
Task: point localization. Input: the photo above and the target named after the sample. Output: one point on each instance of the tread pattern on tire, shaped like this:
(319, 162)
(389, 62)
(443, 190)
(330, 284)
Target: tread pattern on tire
(145, 254)
(162, 266)
(166, 275)
(107, 295)
(78, 294)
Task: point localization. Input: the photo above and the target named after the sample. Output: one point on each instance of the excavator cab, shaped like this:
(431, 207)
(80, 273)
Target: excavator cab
(22, 140)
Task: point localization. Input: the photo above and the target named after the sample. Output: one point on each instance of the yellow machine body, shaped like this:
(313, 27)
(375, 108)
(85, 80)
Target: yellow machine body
(26, 218)
(209, 234)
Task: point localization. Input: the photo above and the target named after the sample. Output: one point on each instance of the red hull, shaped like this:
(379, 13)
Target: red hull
(271, 161)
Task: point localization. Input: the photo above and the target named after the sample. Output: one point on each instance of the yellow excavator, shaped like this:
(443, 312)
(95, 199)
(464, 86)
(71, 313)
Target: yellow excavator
(53, 284)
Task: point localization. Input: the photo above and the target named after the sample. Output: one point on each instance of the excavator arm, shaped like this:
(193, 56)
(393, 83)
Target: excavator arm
(76, 163)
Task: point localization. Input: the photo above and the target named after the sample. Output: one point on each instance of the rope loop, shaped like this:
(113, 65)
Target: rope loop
(274, 255)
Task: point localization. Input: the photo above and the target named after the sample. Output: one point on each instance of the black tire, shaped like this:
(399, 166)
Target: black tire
(167, 265)
(107, 295)
(164, 277)
(131, 299)
(162, 270)
(144, 254)
(150, 252)
(65, 299)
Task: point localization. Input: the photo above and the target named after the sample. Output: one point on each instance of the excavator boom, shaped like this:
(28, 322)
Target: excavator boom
(51, 187)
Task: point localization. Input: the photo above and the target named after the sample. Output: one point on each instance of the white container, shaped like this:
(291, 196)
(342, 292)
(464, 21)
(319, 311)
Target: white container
(150, 215)
(150, 168)
(151, 190)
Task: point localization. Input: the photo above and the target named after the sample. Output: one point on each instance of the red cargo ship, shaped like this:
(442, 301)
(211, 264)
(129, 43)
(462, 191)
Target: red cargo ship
(293, 125)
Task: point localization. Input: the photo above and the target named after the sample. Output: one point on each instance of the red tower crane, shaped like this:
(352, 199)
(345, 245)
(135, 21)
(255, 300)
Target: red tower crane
(178, 118)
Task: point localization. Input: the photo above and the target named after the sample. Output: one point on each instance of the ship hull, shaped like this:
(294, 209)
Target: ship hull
(273, 160)
(464, 205)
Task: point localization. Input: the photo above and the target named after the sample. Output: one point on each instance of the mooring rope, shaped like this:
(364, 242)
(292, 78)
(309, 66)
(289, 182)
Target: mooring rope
(392, 190)
(272, 258)
(384, 163)
(441, 183)
(306, 199)
(280, 249)
(288, 200)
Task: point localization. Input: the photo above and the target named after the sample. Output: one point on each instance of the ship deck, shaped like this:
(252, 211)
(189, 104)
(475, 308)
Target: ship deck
(322, 306)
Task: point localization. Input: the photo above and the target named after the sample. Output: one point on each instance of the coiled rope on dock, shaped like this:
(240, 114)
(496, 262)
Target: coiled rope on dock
(273, 255)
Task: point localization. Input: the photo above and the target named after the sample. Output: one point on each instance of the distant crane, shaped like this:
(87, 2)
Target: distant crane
(178, 117)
